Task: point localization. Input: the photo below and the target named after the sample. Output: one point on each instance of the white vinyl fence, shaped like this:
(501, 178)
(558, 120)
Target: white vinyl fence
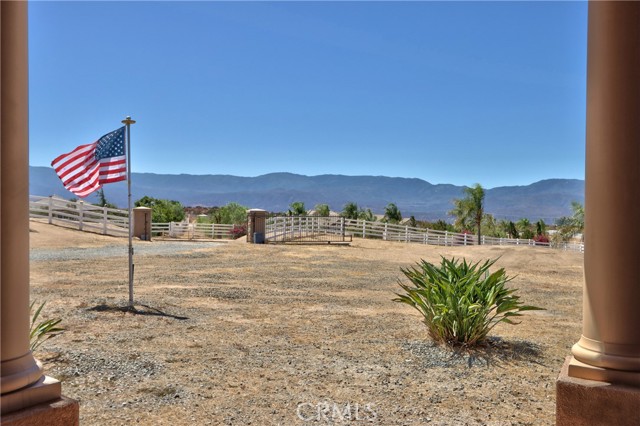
(318, 229)
(306, 229)
(192, 231)
(80, 215)
(103, 220)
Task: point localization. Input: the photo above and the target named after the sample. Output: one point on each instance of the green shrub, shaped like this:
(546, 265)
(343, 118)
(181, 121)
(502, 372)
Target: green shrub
(460, 302)
(41, 331)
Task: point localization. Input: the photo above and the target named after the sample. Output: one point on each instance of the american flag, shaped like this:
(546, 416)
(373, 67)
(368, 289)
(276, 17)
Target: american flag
(88, 167)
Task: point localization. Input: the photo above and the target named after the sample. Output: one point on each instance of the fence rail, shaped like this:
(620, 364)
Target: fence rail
(107, 221)
(325, 229)
(192, 231)
(306, 229)
(80, 215)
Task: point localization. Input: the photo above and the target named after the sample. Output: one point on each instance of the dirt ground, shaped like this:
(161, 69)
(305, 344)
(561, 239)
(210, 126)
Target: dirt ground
(238, 334)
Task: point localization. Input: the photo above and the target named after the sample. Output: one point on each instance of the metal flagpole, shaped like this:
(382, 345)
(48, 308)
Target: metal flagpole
(128, 122)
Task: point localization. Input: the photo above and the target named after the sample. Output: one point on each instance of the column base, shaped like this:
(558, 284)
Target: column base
(582, 402)
(580, 370)
(45, 389)
(60, 412)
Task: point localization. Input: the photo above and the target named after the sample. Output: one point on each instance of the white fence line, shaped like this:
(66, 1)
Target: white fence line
(88, 217)
(287, 229)
(79, 215)
(306, 229)
(103, 220)
(193, 230)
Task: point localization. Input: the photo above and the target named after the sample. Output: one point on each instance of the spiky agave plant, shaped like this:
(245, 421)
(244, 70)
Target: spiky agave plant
(44, 330)
(461, 302)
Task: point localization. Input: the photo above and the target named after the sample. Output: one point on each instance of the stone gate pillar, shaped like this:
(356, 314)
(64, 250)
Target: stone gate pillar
(600, 384)
(256, 225)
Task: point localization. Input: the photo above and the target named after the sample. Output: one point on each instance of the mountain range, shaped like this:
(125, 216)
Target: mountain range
(546, 199)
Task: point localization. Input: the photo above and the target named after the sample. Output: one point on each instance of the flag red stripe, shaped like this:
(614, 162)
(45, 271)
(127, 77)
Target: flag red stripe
(64, 157)
(82, 174)
(112, 180)
(68, 162)
(82, 169)
(83, 180)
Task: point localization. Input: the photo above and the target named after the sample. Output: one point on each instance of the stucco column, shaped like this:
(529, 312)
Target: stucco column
(609, 349)
(22, 383)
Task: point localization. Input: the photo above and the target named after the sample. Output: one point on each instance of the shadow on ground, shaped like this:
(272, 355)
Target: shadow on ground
(494, 351)
(136, 310)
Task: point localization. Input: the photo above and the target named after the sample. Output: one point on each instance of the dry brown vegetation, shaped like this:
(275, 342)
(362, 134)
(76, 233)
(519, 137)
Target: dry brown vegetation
(243, 334)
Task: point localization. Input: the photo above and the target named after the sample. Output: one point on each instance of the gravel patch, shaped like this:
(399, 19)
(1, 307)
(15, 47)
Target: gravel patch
(155, 248)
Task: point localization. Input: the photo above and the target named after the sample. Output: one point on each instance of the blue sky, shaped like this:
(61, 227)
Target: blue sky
(449, 92)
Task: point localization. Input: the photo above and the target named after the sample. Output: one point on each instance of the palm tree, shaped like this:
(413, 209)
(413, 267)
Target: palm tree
(350, 211)
(366, 215)
(489, 225)
(570, 226)
(470, 209)
(578, 216)
(513, 231)
(322, 210)
(392, 213)
(524, 226)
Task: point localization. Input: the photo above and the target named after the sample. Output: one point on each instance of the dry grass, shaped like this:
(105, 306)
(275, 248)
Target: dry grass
(247, 334)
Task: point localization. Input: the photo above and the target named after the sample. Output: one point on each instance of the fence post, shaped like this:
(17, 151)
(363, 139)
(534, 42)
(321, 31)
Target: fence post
(484, 240)
(50, 209)
(465, 238)
(385, 232)
(104, 220)
(426, 236)
(364, 229)
(80, 205)
(446, 233)
(406, 233)
(342, 227)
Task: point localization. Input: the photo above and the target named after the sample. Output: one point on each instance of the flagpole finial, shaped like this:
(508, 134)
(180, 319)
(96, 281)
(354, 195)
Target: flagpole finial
(128, 120)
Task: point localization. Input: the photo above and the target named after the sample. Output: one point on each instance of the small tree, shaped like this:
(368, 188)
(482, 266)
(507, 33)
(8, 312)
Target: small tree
(102, 200)
(469, 210)
(322, 209)
(392, 213)
(366, 215)
(350, 211)
(162, 211)
(513, 231)
(440, 225)
(570, 226)
(524, 227)
(232, 213)
(489, 225)
(297, 209)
